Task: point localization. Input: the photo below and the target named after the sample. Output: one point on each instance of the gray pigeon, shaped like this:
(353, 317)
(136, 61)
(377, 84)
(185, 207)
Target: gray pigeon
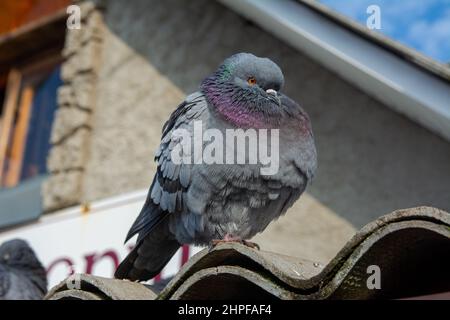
(203, 204)
(22, 276)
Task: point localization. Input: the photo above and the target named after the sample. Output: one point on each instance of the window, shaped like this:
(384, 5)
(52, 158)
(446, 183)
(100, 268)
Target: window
(32, 35)
(26, 119)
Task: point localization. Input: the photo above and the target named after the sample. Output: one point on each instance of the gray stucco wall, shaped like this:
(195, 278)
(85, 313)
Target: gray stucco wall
(371, 160)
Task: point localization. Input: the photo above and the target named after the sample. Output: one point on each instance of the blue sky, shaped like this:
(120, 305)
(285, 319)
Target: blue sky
(421, 24)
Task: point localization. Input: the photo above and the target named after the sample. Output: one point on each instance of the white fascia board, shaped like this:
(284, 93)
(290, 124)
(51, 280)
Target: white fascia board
(399, 84)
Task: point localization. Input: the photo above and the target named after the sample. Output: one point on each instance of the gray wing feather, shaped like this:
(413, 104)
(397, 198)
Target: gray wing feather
(171, 180)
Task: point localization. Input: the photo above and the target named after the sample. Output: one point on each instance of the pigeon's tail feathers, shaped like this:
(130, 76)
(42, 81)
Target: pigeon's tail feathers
(150, 216)
(149, 256)
(145, 222)
(137, 267)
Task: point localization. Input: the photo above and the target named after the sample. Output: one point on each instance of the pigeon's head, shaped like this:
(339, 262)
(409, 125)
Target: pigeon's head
(255, 75)
(245, 90)
(17, 253)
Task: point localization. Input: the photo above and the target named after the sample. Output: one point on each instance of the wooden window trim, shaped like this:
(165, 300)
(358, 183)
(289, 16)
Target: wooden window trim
(18, 101)
(9, 110)
(12, 177)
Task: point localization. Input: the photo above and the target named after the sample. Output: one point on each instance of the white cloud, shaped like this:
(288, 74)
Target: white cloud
(416, 23)
(432, 38)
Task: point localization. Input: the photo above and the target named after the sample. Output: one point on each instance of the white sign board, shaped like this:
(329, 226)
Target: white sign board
(88, 241)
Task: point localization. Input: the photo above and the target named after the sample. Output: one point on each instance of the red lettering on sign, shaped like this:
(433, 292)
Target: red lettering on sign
(65, 260)
(92, 259)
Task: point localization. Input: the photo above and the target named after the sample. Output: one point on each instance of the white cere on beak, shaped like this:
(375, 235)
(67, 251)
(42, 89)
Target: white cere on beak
(271, 91)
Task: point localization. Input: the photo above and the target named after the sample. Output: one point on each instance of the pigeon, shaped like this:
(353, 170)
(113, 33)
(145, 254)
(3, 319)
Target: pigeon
(203, 203)
(22, 276)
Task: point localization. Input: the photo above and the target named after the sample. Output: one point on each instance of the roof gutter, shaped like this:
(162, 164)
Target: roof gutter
(406, 87)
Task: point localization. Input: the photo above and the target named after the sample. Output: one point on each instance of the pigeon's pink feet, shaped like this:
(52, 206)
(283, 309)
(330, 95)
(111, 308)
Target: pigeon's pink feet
(229, 238)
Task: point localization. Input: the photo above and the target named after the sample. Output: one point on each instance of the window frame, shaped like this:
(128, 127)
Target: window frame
(28, 43)
(17, 109)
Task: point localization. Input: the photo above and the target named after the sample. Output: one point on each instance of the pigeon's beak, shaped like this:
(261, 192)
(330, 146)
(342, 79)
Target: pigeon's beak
(273, 95)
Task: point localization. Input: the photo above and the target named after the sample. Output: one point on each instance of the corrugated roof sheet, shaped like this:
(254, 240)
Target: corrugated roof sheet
(411, 247)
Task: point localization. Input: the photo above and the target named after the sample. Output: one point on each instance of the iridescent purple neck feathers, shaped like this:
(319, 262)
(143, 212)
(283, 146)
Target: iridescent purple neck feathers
(242, 109)
(233, 108)
(245, 91)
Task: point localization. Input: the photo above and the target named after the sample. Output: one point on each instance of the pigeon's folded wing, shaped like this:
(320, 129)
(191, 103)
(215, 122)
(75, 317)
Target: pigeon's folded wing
(172, 178)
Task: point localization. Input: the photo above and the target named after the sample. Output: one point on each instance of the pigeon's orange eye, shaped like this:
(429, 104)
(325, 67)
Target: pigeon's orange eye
(251, 81)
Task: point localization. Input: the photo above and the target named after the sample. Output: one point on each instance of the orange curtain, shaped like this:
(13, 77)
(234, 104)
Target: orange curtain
(16, 13)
